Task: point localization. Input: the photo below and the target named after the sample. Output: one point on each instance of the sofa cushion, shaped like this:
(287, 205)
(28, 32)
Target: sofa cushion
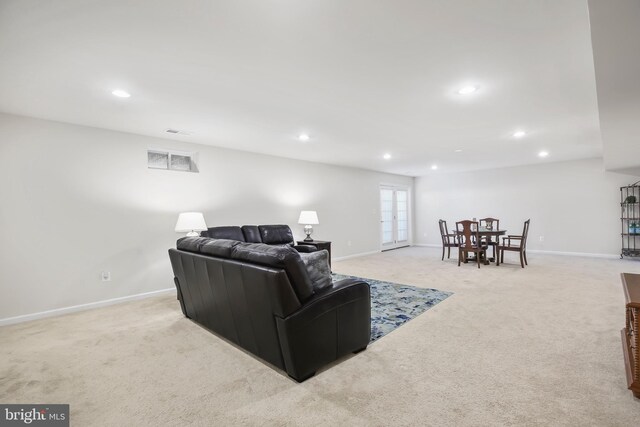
(276, 234)
(230, 232)
(219, 247)
(318, 269)
(251, 234)
(279, 257)
(192, 244)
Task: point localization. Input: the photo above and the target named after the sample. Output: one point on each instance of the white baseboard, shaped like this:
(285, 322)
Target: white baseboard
(538, 251)
(356, 255)
(582, 254)
(81, 307)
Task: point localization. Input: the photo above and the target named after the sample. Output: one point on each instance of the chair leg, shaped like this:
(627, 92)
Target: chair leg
(459, 256)
(525, 258)
(497, 258)
(478, 258)
(442, 252)
(449, 252)
(502, 256)
(521, 259)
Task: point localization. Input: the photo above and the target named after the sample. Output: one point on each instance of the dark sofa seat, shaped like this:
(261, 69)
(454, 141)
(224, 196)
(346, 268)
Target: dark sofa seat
(260, 298)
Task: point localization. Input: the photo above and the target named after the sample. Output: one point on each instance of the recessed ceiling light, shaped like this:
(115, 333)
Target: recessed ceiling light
(434, 167)
(387, 156)
(459, 150)
(303, 137)
(519, 134)
(543, 154)
(121, 93)
(466, 90)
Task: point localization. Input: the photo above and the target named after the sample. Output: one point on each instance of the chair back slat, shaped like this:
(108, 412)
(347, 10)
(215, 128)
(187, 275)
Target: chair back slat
(466, 234)
(490, 223)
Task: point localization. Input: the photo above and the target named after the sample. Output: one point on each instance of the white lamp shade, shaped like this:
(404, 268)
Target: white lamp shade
(190, 221)
(308, 217)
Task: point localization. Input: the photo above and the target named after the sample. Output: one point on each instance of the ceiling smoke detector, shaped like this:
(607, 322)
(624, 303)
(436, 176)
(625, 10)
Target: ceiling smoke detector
(177, 132)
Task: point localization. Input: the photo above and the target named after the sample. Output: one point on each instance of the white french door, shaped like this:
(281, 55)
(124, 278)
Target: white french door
(394, 217)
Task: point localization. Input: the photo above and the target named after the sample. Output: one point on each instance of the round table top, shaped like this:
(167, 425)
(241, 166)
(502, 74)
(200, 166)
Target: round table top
(484, 231)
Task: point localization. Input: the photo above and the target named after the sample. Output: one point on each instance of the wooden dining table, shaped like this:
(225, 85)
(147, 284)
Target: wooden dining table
(486, 232)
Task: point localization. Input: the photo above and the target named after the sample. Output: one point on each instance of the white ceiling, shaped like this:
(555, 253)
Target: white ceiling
(361, 77)
(615, 33)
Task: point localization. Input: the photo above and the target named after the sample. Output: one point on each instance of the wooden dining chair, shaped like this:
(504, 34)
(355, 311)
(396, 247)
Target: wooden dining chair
(448, 240)
(470, 241)
(515, 243)
(490, 224)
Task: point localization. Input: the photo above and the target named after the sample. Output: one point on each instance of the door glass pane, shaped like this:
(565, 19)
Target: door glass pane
(402, 208)
(386, 215)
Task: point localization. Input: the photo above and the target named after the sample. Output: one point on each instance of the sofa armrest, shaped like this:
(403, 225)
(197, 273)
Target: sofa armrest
(340, 293)
(305, 248)
(334, 322)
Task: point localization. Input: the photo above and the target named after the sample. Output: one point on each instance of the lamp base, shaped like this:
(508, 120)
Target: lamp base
(308, 230)
(193, 234)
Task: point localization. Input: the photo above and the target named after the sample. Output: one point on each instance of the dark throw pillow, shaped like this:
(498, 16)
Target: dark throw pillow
(318, 269)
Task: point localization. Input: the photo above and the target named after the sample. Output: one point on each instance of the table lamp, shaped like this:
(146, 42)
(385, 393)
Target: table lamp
(191, 223)
(308, 218)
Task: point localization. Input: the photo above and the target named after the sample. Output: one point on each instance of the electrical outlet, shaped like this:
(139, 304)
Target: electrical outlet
(105, 276)
(542, 238)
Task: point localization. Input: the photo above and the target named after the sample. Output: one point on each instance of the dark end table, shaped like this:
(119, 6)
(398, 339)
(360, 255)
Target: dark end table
(631, 332)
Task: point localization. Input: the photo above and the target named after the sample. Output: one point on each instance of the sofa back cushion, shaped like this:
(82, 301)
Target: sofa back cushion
(251, 234)
(230, 232)
(218, 247)
(191, 244)
(276, 234)
(283, 257)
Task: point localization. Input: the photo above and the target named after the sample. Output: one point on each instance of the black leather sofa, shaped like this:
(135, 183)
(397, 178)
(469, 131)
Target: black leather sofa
(278, 234)
(261, 298)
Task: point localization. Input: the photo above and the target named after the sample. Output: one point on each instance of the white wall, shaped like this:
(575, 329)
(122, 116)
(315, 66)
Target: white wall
(574, 205)
(75, 201)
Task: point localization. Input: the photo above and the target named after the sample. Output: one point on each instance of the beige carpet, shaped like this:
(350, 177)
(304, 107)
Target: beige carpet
(538, 346)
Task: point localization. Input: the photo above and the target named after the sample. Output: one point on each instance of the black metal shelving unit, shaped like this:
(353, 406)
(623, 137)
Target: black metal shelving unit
(630, 220)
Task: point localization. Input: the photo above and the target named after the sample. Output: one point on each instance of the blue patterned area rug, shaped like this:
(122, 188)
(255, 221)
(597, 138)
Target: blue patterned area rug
(393, 305)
